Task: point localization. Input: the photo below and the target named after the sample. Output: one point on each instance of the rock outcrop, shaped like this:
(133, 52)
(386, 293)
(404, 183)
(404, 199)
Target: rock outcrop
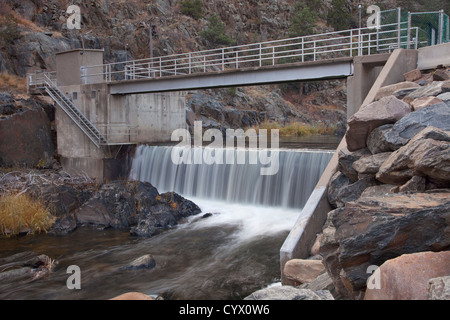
(392, 197)
(136, 206)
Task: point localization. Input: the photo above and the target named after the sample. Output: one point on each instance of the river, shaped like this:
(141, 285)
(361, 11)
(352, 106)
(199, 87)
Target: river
(227, 255)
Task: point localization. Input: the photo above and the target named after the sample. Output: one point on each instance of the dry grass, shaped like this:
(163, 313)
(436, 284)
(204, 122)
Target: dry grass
(12, 83)
(19, 213)
(297, 129)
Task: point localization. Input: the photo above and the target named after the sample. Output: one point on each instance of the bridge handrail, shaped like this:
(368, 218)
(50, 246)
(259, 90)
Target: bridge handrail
(343, 43)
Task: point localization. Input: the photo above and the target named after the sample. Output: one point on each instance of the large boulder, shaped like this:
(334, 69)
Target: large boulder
(427, 154)
(136, 206)
(406, 277)
(373, 230)
(436, 116)
(299, 271)
(390, 89)
(360, 125)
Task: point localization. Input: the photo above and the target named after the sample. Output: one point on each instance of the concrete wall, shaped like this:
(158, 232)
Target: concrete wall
(431, 57)
(154, 116)
(366, 71)
(122, 119)
(299, 241)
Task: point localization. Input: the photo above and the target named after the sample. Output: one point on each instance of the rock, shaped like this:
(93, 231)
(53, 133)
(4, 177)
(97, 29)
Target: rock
(136, 206)
(360, 125)
(402, 93)
(316, 246)
(377, 191)
(322, 282)
(337, 182)
(132, 296)
(433, 89)
(427, 154)
(289, 293)
(370, 164)
(413, 75)
(145, 262)
(440, 75)
(406, 277)
(299, 271)
(444, 96)
(403, 130)
(423, 102)
(373, 230)
(346, 160)
(353, 191)
(376, 141)
(390, 89)
(415, 184)
(33, 145)
(439, 288)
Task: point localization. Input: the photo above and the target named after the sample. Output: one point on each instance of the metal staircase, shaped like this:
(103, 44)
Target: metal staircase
(73, 112)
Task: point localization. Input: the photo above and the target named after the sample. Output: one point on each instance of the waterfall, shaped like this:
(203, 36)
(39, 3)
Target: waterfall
(298, 172)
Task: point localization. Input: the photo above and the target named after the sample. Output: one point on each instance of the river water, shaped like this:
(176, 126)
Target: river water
(227, 255)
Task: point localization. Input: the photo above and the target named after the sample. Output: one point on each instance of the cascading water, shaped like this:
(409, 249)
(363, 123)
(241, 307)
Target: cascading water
(290, 187)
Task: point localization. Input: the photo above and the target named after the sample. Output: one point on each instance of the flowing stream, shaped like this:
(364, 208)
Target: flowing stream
(227, 255)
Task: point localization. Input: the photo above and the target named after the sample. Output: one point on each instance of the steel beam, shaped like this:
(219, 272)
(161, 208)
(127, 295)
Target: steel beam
(316, 70)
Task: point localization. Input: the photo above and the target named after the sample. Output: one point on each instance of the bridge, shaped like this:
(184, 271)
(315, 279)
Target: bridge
(103, 107)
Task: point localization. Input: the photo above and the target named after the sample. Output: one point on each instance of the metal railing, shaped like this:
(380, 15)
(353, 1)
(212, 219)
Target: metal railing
(329, 45)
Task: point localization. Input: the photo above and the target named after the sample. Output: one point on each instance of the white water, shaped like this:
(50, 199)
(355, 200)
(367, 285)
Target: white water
(290, 187)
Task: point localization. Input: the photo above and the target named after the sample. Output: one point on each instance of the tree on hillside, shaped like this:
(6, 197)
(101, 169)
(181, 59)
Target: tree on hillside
(303, 20)
(340, 16)
(215, 33)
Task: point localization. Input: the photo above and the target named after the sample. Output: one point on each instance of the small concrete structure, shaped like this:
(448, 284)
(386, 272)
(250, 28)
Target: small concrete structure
(121, 119)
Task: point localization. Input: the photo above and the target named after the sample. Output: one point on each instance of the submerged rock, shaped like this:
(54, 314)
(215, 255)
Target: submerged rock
(145, 262)
(289, 293)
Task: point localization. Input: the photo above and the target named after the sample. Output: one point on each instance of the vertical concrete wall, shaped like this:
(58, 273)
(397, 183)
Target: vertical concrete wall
(365, 72)
(122, 119)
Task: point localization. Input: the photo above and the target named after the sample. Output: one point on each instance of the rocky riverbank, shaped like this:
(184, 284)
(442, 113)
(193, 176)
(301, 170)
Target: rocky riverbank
(388, 236)
(79, 201)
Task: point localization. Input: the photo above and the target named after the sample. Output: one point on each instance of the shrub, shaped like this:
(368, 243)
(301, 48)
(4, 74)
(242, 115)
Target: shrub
(9, 30)
(21, 212)
(9, 82)
(215, 33)
(192, 8)
(298, 129)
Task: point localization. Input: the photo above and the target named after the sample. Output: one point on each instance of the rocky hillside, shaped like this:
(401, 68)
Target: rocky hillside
(32, 31)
